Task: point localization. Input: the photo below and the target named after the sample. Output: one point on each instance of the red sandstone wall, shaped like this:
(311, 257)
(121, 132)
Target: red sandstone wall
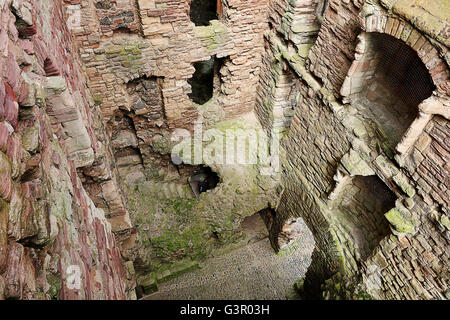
(48, 223)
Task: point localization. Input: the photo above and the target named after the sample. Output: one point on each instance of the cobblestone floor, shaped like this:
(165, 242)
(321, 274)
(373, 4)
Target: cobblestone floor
(251, 272)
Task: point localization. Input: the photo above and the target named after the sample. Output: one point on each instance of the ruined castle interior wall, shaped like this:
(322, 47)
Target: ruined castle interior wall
(155, 67)
(388, 85)
(162, 42)
(332, 149)
(361, 209)
(50, 228)
(91, 92)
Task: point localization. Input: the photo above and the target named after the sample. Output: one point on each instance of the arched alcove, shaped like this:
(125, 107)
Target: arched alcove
(286, 98)
(360, 212)
(386, 83)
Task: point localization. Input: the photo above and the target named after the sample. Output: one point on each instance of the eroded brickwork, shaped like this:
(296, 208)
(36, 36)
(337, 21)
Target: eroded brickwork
(50, 228)
(330, 144)
(92, 91)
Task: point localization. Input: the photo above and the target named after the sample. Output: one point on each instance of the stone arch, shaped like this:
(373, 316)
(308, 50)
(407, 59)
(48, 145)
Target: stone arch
(285, 234)
(402, 30)
(390, 84)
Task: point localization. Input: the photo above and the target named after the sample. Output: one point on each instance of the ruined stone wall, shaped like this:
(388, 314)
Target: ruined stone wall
(330, 144)
(141, 59)
(167, 47)
(54, 242)
(85, 139)
(128, 41)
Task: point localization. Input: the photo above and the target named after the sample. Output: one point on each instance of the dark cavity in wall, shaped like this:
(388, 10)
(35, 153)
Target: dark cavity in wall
(202, 82)
(396, 82)
(25, 30)
(361, 211)
(207, 80)
(50, 68)
(203, 11)
(203, 179)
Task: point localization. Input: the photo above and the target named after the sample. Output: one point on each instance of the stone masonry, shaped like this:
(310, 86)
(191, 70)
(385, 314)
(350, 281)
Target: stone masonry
(50, 228)
(96, 94)
(332, 142)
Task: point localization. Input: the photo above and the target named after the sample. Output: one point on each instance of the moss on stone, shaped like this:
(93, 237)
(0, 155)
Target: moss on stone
(30, 139)
(148, 283)
(445, 221)
(54, 281)
(213, 36)
(399, 221)
(342, 287)
(186, 226)
(98, 99)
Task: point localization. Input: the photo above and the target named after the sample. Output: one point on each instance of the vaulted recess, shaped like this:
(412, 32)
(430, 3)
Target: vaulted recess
(387, 83)
(360, 211)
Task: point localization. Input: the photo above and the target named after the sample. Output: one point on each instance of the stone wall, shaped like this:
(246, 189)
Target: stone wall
(330, 144)
(140, 59)
(51, 233)
(92, 93)
(167, 47)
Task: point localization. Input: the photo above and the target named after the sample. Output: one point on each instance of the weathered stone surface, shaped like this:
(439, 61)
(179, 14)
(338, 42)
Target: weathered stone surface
(323, 129)
(4, 210)
(89, 107)
(30, 139)
(48, 223)
(399, 221)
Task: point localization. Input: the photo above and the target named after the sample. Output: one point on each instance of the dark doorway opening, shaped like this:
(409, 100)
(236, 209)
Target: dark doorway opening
(361, 212)
(203, 11)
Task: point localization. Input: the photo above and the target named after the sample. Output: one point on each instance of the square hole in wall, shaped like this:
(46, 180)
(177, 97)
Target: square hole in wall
(203, 11)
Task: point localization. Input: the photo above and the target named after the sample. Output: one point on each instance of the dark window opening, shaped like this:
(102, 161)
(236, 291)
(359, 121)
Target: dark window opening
(203, 11)
(208, 79)
(203, 179)
(202, 82)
